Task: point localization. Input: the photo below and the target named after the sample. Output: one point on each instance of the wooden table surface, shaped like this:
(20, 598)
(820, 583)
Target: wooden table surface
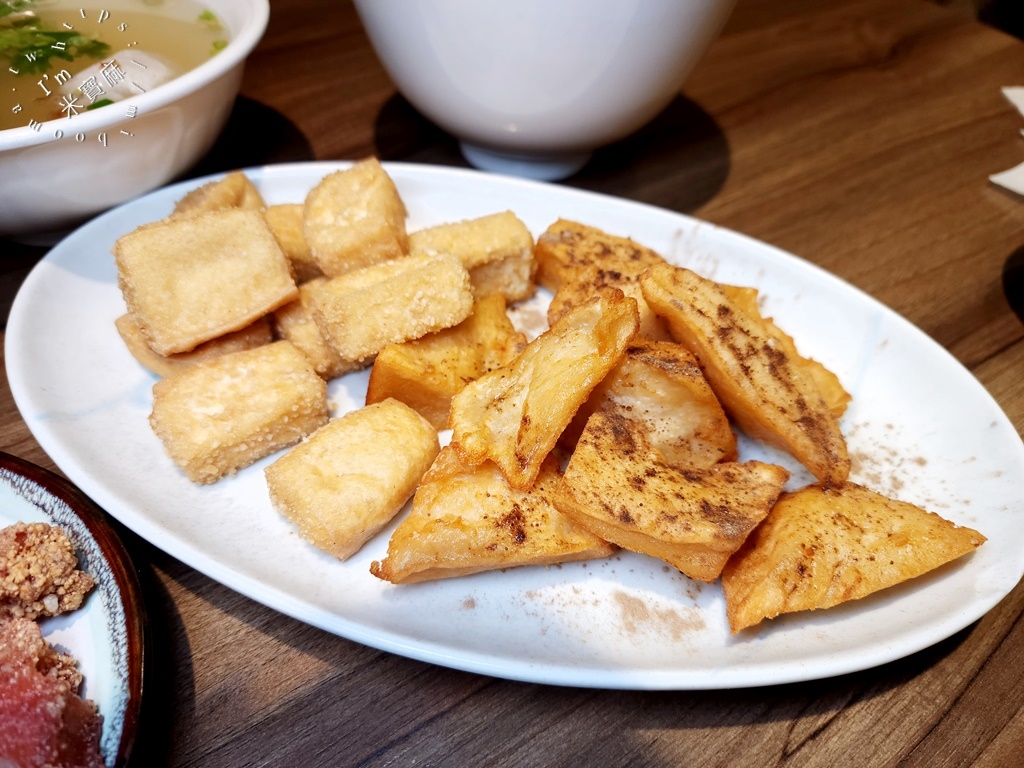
(858, 134)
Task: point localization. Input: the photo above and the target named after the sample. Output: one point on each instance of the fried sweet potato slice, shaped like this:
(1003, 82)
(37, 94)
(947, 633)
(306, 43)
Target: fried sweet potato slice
(514, 415)
(823, 546)
(754, 377)
(566, 248)
(660, 385)
(580, 285)
(828, 384)
(426, 373)
(620, 488)
(468, 519)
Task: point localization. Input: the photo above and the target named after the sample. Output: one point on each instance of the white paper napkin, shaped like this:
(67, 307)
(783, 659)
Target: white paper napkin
(1013, 179)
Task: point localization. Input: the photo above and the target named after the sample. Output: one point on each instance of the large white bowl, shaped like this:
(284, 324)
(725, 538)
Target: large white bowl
(74, 167)
(532, 87)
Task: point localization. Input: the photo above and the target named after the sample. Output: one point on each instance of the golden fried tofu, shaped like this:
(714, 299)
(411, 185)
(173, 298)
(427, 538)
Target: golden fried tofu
(567, 247)
(286, 222)
(255, 335)
(354, 218)
(233, 191)
(752, 375)
(220, 415)
(294, 322)
(823, 546)
(191, 279)
(352, 476)
(468, 519)
(497, 250)
(659, 385)
(514, 415)
(828, 384)
(620, 488)
(363, 311)
(426, 373)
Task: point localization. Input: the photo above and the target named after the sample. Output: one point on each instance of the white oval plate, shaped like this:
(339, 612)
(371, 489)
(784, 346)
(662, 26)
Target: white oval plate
(920, 428)
(105, 635)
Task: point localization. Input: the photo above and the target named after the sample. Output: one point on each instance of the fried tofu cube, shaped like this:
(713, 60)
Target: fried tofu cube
(753, 376)
(221, 415)
(233, 191)
(829, 386)
(427, 373)
(567, 247)
(354, 218)
(351, 477)
(250, 337)
(466, 520)
(514, 415)
(497, 250)
(191, 279)
(286, 222)
(361, 312)
(823, 546)
(620, 488)
(659, 385)
(294, 322)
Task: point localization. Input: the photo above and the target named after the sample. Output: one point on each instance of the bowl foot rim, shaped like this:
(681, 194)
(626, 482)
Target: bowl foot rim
(540, 166)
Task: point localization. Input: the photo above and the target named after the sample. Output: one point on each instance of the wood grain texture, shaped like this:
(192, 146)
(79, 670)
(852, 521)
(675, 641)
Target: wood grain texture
(858, 134)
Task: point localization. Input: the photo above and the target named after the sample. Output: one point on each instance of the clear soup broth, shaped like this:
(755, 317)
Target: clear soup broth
(60, 59)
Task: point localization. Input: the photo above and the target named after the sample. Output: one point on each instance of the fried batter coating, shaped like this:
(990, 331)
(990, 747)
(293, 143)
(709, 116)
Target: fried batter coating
(39, 574)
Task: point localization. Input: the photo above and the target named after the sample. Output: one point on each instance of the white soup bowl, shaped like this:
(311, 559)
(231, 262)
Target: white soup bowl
(533, 87)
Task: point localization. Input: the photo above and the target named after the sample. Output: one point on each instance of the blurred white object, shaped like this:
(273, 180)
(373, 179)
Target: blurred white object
(1013, 179)
(61, 171)
(533, 87)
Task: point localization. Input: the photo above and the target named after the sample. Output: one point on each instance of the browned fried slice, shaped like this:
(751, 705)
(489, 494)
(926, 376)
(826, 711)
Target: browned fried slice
(515, 414)
(588, 281)
(426, 373)
(694, 519)
(568, 247)
(822, 546)
(468, 519)
(828, 384)
(749, 370)
(660, 385)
